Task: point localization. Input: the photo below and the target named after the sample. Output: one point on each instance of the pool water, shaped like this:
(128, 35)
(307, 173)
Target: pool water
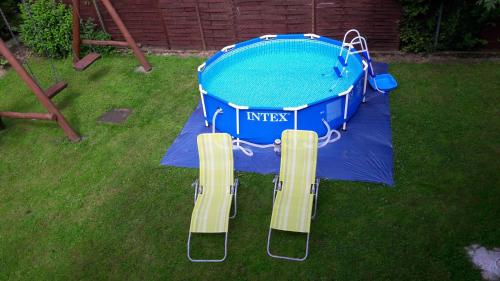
(279, 73)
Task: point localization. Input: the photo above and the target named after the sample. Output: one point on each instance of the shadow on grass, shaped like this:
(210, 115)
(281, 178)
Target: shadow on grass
(99, 73)
(67, 99)
(207, 246)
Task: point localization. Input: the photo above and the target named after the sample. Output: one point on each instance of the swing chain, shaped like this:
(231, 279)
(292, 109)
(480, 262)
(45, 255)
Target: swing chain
(16, 42)
(98, 11)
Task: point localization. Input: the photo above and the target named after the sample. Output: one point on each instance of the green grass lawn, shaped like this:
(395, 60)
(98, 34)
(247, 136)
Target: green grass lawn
(104, 208)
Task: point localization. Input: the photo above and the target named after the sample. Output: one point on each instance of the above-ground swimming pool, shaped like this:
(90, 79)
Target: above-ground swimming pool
(256, 89)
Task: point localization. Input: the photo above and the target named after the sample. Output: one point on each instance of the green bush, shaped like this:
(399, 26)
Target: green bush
(3, 62)
(46, 27)
(9, 7)
(461, 24)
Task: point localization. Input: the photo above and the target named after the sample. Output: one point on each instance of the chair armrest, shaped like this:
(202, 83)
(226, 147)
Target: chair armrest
(234, 187)
(276, 179)
(196, 189)
(315, 187)
(277, 183)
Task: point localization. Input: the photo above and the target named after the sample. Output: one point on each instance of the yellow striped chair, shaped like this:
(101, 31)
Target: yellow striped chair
(215, 190)
(296, 188)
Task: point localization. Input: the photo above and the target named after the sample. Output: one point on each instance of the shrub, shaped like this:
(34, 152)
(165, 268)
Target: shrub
(46, 27)
(461, 23)
(3, 62)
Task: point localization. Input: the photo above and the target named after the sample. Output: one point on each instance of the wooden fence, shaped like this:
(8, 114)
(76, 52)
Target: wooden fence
(212, 24)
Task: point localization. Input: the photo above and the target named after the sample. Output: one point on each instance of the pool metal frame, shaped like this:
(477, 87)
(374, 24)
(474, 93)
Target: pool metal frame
(294, 110)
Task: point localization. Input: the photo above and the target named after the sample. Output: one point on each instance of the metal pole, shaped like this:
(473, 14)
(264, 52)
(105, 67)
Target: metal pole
(126, 34)
(238, 126)
(438, 25)
(39, 93)
(344, 126)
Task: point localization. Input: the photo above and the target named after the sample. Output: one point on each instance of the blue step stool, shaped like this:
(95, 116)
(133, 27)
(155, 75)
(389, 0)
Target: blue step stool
(385, 82)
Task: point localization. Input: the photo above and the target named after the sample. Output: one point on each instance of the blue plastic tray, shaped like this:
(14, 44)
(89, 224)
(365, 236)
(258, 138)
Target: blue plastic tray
(385, 82)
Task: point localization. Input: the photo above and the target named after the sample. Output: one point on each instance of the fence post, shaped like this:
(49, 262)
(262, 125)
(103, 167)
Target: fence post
(200, 26)
(164, 24)
(313, 16)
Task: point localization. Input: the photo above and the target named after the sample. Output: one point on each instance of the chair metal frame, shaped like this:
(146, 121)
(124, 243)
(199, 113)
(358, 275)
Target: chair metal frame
(198, 189)
(278, 185)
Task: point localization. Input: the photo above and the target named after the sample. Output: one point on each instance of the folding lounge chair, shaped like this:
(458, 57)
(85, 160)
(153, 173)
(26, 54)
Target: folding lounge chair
(296, 187)
(215, 190)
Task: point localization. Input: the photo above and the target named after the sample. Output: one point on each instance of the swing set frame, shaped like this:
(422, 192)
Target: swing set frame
(43, 96)
(81, 64)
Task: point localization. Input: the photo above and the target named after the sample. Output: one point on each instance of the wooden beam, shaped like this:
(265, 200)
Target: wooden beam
(107, 43)
(126, 34)
(56, 89)
(28, 115)
(86, 61)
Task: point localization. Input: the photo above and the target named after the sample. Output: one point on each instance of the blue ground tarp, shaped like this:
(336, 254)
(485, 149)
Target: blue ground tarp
(363, 153)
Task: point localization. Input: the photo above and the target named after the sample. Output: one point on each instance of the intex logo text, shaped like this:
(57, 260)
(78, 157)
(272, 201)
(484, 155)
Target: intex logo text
(267, 116)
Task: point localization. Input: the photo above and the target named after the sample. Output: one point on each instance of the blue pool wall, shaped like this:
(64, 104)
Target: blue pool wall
(265, 132)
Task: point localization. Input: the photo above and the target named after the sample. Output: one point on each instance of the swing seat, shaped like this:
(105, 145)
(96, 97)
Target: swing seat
(384, 82)
(55, 89)
(86, 61)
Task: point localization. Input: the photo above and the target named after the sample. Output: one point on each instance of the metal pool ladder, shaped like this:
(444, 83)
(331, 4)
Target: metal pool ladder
(382, 82)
